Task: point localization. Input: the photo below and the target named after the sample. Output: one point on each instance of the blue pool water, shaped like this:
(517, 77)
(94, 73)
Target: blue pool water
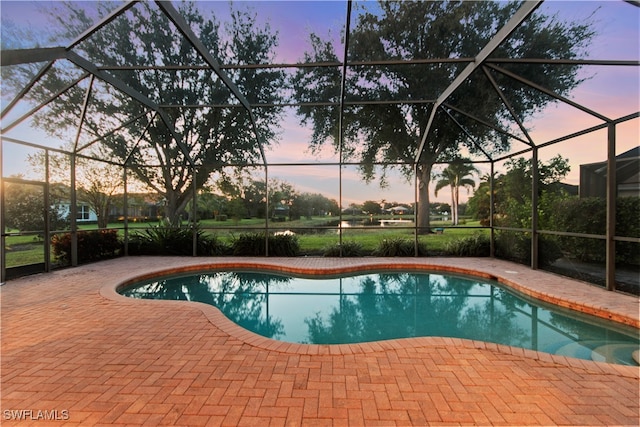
(373, 307)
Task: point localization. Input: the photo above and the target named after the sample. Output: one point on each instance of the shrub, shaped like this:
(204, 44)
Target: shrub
(167, 239)
(249, 244)
(588, 215)
(253, 244)
(208, 245)
(478, 245)
(92, 245)
(350, 248)
(398, 246)
(517, 247)
(284, 245)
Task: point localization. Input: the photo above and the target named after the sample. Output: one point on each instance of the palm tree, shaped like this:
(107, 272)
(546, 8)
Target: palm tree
(455, 176)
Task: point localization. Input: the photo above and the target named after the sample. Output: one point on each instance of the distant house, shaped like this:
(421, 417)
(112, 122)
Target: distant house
(141, 207)
(593, 176)
(84, 214)
(569, 189)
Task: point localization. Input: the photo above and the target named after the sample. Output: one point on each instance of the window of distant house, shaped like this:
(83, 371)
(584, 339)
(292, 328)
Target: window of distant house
(83, 212)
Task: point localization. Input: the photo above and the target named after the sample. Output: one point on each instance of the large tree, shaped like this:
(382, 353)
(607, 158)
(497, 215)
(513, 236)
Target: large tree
(426, 30)
(210, 135)
(24, 207)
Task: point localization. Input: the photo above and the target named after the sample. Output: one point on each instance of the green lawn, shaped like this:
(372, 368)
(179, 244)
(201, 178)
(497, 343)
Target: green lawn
(313, 238)
(24, 250)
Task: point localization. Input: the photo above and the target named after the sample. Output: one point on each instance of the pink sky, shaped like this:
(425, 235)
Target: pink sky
(612, 91)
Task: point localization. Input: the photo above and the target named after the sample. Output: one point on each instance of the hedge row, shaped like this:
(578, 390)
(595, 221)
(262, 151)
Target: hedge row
(92, 245)
(589, 216)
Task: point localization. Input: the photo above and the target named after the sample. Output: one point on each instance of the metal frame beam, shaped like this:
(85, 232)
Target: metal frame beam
(466, 132)
(507, 104)
(29, 56)
(135, 147)
(83, 114)
(103, 22)
(535, 184)
(27, 88)
(328, 64)
(123, 87)
(182, 26)
(305, 104)
(112, 131)
(319, 64)
(37, 108)
(521, 14)
(487, 124)
(560, 61)
(548, 92)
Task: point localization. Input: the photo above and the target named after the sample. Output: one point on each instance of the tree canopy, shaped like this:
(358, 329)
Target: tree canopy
(155, 153)
(403, 31)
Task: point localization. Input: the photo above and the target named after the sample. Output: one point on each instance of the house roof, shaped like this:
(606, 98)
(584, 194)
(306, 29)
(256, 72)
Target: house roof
(627, 165)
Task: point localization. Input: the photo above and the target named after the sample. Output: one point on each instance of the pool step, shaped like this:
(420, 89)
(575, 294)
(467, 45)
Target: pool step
(600, 351)
(615, 353)
(580, 350)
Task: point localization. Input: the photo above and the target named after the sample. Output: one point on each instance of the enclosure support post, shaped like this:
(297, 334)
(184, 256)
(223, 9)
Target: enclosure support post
(47, 215)
(340, 202)
(343, 82)
(194, 212)
(534, 208)
(3, 261)
(611, 208)
(125, 207)
(492, 248)
(266, 211)
(415, 210)
(73, 213)
(74, 201)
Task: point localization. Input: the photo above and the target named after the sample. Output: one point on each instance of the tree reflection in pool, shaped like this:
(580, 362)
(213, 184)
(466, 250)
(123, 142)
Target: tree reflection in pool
(381, 306)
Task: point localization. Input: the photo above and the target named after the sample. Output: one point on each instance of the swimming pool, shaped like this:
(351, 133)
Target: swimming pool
(381, 306)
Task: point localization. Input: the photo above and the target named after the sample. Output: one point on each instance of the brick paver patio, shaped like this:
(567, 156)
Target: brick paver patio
(71, 346)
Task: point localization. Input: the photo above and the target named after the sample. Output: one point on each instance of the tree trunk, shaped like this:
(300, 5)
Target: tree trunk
(103, 218)
(423, 220)
(456, 202)
(453, 206)
(171, 212)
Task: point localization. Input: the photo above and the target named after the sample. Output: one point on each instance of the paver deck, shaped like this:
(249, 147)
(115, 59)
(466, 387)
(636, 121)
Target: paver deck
(75, 350)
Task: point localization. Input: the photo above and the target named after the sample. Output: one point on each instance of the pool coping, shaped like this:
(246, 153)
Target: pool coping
(541, 285)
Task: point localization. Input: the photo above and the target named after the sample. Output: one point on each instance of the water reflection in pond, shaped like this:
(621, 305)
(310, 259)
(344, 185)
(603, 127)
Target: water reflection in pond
(376, 223)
